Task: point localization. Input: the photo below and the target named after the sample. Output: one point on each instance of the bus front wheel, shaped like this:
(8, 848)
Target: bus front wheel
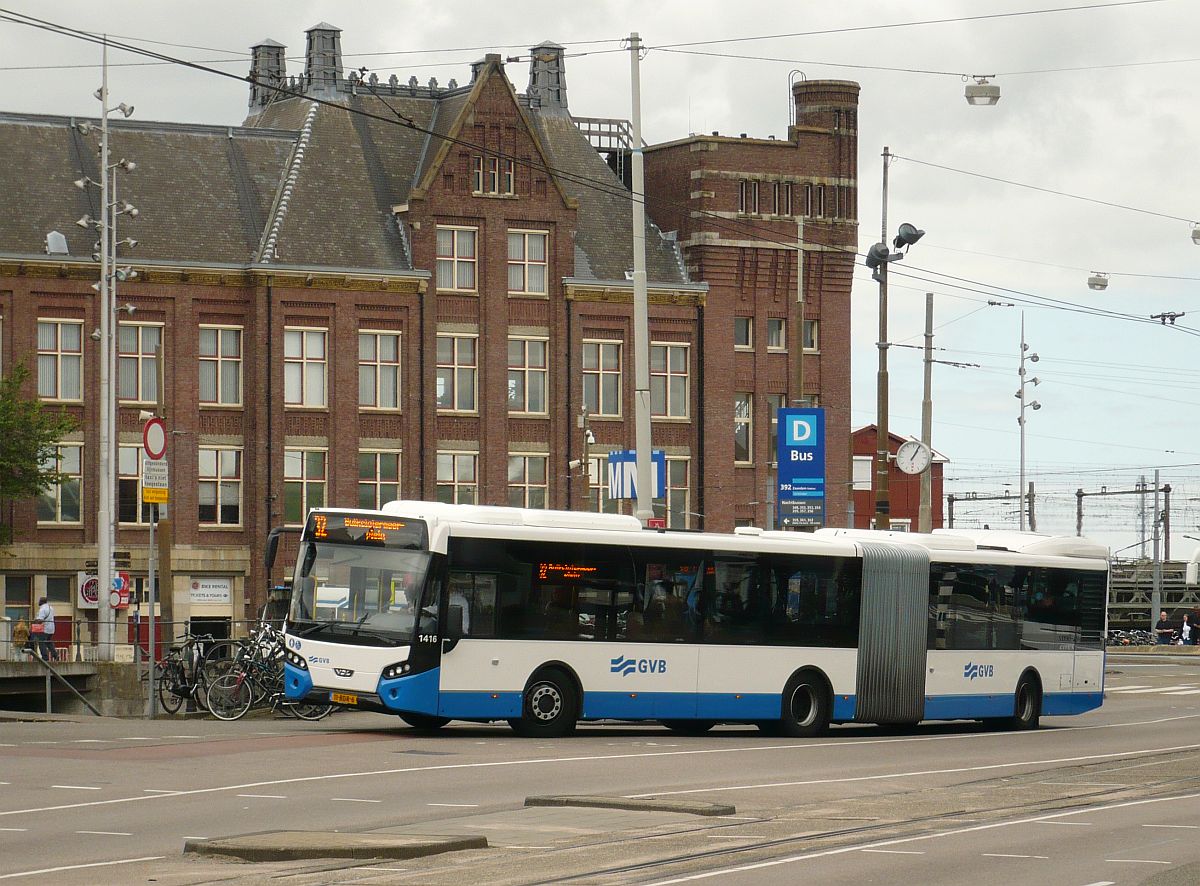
(549, 708)
(806, 707)
(424, 722)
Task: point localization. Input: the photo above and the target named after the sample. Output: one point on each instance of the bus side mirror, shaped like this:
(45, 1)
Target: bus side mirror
(1192, 576)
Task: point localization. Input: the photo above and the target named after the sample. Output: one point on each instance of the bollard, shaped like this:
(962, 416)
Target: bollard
(48, 705)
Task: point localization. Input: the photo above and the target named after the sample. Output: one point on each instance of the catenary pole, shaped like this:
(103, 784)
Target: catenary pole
(644, 509)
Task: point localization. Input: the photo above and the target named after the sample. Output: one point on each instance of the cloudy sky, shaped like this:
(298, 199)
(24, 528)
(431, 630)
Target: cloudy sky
(1098, 102)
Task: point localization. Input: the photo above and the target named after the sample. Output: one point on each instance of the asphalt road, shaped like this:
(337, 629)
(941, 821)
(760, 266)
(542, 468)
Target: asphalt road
(1109, 797)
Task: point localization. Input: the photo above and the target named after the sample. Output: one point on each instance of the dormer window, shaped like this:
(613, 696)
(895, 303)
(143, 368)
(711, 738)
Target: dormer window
(492, 175)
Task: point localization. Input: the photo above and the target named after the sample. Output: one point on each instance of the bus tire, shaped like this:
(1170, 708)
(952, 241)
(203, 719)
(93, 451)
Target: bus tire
(425, 722)
(549, 707)
(689, 727)
(1027, 706)
(806, 707)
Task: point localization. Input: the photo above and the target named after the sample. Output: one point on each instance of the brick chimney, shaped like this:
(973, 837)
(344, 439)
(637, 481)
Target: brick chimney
(269, 66)
(323, 59)
(548, 77)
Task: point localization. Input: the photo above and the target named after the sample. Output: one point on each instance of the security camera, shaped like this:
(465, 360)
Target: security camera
(95, 335)
(574, 463)
(589, 438)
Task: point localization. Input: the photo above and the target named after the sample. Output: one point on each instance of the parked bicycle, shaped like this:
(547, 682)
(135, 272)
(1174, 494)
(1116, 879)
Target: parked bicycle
(180, 675)
(254, 678)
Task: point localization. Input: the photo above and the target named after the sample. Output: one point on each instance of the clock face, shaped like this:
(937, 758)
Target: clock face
(912, 457)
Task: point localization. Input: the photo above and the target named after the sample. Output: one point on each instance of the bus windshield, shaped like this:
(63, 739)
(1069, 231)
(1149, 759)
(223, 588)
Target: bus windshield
(369, 594)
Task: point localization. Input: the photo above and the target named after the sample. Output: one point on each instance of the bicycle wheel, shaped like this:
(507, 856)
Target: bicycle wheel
(229, 696)
(307, 711)
(169, 690)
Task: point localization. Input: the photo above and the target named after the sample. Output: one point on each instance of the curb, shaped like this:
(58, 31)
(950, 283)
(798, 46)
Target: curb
(687, 807)
(297, 845)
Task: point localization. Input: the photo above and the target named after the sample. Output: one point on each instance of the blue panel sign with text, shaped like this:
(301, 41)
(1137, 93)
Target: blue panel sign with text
(622, 473)
(801, 459)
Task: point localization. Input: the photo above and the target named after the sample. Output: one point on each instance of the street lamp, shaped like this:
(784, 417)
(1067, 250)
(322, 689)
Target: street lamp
(106, 254)
(1098, 280)
(1035, 405)
(878, 258)
(981, 93)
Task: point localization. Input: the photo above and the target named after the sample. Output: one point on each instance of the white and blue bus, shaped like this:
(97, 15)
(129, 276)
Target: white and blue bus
(439, 612)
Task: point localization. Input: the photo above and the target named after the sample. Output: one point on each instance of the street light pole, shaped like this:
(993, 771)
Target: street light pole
(643, 508)
(882, 448)
(925, 514)
(1033, 358)
(107, 627)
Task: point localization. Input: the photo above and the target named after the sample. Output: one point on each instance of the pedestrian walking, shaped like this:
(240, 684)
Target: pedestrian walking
(1186, 631)
(45, 618)
(1163, 629)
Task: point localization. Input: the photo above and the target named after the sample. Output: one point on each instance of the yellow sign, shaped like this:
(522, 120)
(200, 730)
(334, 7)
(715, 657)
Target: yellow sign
(152, 496)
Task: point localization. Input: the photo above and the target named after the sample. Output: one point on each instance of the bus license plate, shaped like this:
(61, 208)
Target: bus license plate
(343, 698)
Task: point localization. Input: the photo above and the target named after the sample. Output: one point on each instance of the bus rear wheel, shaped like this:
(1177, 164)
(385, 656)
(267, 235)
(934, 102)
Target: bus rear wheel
(549, 708)
(1027, 707)
(806, 708)
(424, 722)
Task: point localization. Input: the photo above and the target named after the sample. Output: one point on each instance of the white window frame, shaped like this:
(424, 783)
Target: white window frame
(678, 518)
(743, 342)
(307, 484)
(597, 375)
(458, 259)
(774, 403)
(449, 480)
(376, 481)
(776, 335)
(222, 363)
(748, 195)
(380, 366)
(599, 498)
(220, 484)
(747, 420)
(812, 331)
(863, 473)
(52, 493)
(525, 264)
(783, 198)
(138, 358)
(455, 368)
(143, 509)
(59, 357)
(306, 365)
(520, 374)
(520, 483)
(669, 409)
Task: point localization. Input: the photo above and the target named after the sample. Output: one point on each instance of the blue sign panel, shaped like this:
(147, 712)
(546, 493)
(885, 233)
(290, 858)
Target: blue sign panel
(801, 459)
(622, 473)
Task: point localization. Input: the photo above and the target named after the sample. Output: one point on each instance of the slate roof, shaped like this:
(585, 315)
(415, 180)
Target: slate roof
(320, 190)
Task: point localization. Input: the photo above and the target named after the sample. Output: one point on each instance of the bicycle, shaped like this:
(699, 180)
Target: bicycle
(254, 678)
(180, 676)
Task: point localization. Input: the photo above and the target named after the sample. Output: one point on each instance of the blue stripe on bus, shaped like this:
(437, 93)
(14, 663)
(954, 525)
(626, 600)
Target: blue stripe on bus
(296, 683)
(1061, 703)
(968, 707)
(480, 705)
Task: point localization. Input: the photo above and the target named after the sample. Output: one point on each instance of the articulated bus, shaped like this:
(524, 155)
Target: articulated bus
(437, 612)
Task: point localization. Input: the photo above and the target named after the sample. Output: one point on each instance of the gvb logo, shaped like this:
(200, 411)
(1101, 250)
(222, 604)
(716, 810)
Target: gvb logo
(626, 666)
(972, 670)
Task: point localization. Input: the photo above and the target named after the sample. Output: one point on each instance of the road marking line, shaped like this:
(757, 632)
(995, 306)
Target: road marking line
(1156, 689)
(77, 867)
(842, 850)
(456, 805)
(75, 787)
(542, 761)
(185, 837)
(1090, 784)
(90, 741)
(894, 851)
(182, 736)
(1184, 692)
(264, 796)
(1136, 861)
(1193, 827)
(1005, 855)
(136, 738)
(349, 800)
(1073, 824)
(157, 791)
(1103, 883)
(107, 833)
(15, 830)
(1126, 688)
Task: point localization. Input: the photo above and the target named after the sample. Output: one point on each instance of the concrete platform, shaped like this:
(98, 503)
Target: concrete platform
(294, 845)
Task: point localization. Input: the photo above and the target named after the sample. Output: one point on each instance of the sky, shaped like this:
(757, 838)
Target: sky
(1087, 164)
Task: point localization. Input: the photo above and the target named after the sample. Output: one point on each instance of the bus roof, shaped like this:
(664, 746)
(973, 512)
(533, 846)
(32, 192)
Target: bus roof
(1030, 543)
(501, 516)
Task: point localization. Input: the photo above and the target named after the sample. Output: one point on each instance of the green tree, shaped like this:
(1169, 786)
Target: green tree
(29, 429)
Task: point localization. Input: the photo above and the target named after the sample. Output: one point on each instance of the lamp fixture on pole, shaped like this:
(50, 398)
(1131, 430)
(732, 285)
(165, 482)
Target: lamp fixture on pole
(1098, 280)
(878, 258)
(981, 93)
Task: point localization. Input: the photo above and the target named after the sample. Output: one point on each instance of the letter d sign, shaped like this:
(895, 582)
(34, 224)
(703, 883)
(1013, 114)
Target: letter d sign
(800, 431)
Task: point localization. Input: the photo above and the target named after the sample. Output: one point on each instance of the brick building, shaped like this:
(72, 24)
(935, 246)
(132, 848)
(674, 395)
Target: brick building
(904, 490)
(375, 289)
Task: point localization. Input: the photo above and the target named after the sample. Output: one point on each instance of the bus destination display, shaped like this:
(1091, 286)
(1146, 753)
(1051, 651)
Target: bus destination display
(359, 529)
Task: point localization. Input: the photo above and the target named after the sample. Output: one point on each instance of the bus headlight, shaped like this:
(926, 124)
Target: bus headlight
(399, 669)
(296, 660)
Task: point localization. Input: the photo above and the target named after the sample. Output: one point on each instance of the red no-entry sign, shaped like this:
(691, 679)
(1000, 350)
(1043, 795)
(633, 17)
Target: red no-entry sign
(154, 439)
